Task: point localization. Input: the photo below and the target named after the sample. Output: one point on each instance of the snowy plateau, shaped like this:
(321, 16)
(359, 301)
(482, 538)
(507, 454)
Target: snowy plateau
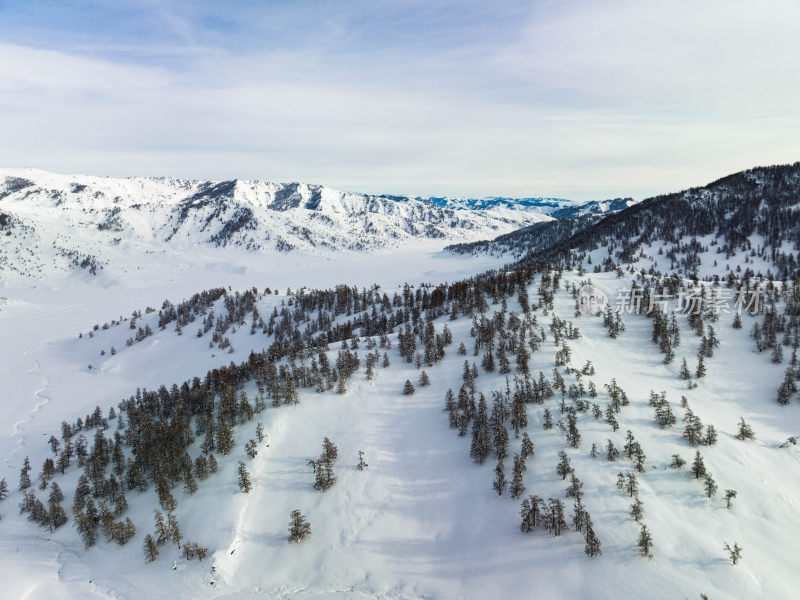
(149, 324)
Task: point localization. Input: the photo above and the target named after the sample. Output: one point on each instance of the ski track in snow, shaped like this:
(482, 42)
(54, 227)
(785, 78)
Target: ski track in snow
(41, 400)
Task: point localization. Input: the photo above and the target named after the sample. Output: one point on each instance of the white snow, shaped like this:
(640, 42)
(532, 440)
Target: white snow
(422, 521)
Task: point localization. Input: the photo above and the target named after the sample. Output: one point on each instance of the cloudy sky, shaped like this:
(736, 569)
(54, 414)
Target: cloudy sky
(581, 100)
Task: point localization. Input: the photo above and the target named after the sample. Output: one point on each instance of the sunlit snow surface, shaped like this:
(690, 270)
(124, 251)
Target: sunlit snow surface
(422, 521)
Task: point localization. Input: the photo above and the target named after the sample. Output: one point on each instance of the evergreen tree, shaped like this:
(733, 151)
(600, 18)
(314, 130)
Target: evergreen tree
(734, 554)
(519, 416)
(527, 446)
(24, 475)
(299, 528)
(244, 478)
(701, 367)
(423, 379)
(250, 448)
(161, 530)
(500, 483)
(710, 485)
(189, 483)
(645, 542)
(592, 547)
(481, 441)
(729, 496)
(563, 468)
(361, 463)
(745, 431)
(698, 467)
(684, 372)
(611, 451)
(408, 388)
(517, 487)
(677, 462)
(530, 512)
(3, 489)
(150, 548)
(56, 516)
(329, 450)
(225, 440)
(637, 510)
(548, 419)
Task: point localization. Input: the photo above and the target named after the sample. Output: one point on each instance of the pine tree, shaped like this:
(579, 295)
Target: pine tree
(500, 483)
(698, 466)
(611, 419)
(225, 440)
(710, 485)
(56, 516)
(711, 436)
(637, 510)
(563, 468)
(361, 464)
(645, 542)
(701, 367)
(3, 489)
(631, 484)
(548, 419)
(684, 372)
(24, 475)
(735, 553)
(611, 451)
(481, 441)
(329, 450)
(527, 446)
(173, 530)
(189, 483)
(244, 478)
(150, 548)
(592, 548)
(161, 530)
(677, 462)
(408, 388)
(299, 528)
(56, 495)
(519, 416)
(745, 431)
(121, 505)
(423, 379)
(517, 487)
(250, 448)
(729, 496)
(212, 463)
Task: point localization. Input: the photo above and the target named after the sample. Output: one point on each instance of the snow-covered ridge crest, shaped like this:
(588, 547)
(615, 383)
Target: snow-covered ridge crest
(80, 215)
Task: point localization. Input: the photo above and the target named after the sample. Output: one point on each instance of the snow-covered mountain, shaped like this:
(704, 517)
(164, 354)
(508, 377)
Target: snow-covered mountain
(547, 206)
(59, 222)
(745, 222)
(594, 207)
(561, 424)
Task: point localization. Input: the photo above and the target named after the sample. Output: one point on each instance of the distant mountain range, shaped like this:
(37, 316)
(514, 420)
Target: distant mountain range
(748, 221)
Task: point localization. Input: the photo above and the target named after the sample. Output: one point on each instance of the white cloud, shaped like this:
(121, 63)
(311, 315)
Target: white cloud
(581, 100)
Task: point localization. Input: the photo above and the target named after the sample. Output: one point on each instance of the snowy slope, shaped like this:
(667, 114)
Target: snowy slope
(422, 520)
(745, 223)
(55, 223)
